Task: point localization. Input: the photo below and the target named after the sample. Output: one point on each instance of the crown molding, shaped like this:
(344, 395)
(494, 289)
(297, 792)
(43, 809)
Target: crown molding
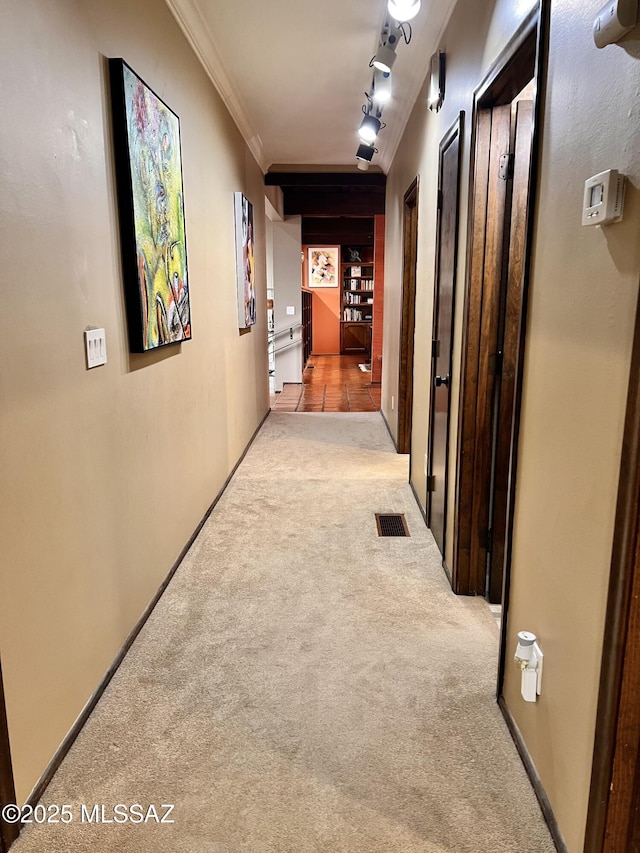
(194, 26)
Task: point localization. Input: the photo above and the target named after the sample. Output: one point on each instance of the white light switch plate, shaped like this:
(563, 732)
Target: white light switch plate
(291, 309)
(95, 342)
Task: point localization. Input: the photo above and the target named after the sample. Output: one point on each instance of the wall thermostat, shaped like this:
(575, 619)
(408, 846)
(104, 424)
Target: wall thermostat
(603, 198)
(614, 20)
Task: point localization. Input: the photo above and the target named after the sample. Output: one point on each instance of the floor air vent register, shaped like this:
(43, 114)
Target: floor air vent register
(391, 524)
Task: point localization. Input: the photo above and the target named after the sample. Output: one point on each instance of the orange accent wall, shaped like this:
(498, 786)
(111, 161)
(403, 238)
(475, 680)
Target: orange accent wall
(326, 313)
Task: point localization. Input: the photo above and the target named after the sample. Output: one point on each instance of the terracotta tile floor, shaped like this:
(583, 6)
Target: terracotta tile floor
(330, 383)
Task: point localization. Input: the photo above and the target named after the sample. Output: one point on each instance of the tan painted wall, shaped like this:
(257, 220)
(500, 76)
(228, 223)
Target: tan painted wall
(583, 294)
(582, 308)
(105, 473)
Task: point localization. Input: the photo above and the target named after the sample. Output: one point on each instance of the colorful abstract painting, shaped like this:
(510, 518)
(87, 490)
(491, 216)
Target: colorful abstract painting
(150, 194)
(245, 263)
(323, 267)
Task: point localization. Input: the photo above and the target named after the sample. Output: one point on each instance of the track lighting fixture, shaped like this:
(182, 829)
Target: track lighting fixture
(365, 152)
(379, 93)
(389, 40)
(403, 10)
(381, 86)
(384, 58)
(369, 128)
(386, 54)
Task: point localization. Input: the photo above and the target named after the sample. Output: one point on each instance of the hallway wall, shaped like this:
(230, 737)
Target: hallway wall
(582, 304)
(106, 472)
(286, 287)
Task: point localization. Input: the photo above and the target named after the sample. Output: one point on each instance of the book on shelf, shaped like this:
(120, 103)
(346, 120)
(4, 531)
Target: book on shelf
(354, 315)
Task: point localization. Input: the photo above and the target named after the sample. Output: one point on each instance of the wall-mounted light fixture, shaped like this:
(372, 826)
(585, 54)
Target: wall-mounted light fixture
(435, 96)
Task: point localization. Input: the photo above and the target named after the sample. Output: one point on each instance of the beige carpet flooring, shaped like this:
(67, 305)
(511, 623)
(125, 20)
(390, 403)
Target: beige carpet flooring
(304, 685)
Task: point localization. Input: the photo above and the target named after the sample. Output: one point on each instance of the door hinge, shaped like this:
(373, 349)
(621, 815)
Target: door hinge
(431, 483)
(505, 169)
(486, 540)
(435, 349)
(495, 362)
(439, 199)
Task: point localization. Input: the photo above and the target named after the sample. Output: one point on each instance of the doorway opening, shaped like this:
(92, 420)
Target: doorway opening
(8, 831)
(442, 337)
(613, 817)
(330, 383)
(501, 201)
(408, 318)
(339, 280)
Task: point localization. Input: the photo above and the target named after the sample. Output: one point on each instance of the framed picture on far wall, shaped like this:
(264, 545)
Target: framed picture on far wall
(151, 205)
(245, 263)
(323, 266)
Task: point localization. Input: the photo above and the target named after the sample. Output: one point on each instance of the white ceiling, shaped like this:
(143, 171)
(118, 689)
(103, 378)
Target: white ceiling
(293, 72)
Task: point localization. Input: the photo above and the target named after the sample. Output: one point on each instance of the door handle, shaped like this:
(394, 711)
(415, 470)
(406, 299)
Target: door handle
(442, 380)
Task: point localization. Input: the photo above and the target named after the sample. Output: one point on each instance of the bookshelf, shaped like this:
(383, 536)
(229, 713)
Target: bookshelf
(357, 299)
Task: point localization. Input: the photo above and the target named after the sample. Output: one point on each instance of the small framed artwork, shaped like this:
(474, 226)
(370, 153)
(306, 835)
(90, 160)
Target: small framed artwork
(323, 266)
(245, 262)
(151, 206)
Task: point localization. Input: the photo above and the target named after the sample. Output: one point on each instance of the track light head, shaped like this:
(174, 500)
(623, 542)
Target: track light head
(403, 10)
(369, 128)
(365, 153)
(384, 58)
(386, 55)
(381, 86)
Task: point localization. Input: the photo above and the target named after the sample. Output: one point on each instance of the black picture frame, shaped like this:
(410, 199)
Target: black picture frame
(150, 190)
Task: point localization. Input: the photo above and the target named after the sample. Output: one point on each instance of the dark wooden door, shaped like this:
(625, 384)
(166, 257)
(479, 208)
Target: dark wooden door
(493, 344)
(488, 367)
(508, 345)
(8, 832)
(442, 343)
(613, 819)
(408, 320)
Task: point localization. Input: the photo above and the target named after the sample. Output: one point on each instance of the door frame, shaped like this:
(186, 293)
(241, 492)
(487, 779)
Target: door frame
(615, 774)
(455, 131)
(8, 832)
(524, 57)
(408, 317)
